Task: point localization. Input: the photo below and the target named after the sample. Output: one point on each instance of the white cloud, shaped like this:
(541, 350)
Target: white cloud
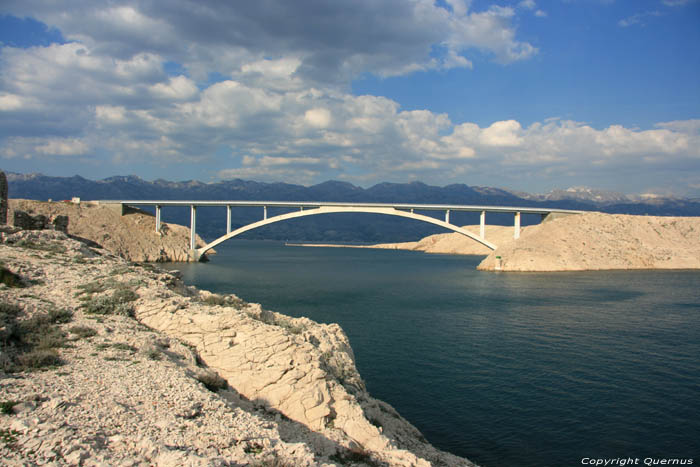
(677, 2)
(319, 44)
(280, 109)
(177, 88)
(318, 117)
(62, 147)
(506, 133)
(11, 102)
(638, 18)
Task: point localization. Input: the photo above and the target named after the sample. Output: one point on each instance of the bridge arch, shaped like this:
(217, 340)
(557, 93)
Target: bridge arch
(199, 252)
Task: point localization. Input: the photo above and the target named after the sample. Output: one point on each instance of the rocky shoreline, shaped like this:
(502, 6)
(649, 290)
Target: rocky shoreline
(110, 362)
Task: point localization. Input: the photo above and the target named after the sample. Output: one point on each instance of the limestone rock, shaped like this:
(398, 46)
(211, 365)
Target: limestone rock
(131, 236)
(597, 241)
(294, 396)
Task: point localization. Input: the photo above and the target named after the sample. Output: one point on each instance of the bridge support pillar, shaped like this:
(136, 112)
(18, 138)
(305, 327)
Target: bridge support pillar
(482, 224)
(447, 216)
(228, 219)
(516, 230)
(158, 218)
(264, 212)
(193, 226)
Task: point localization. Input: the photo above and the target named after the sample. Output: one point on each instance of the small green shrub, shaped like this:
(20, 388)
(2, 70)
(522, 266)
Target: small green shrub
(39, 358)
(30, 344)
(90, 288)
(124, 347)
(50, 247)
(6, 407)
(219, 300)
(211, 380)
(253, 448)
(116, 304)
(124, 295)
(82, 332)
(9, 278)
(8, 436)
(60, 316)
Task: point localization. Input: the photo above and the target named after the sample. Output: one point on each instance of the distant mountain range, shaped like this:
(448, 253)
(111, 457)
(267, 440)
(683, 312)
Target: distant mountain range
(335, 227)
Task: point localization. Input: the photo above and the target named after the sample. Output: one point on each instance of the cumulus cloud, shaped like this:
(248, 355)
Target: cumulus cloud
(262, 94)
(397, 36)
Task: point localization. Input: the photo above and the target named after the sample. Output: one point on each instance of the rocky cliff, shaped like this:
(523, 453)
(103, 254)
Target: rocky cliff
(139, 369)
(590, 241)
(132, 236)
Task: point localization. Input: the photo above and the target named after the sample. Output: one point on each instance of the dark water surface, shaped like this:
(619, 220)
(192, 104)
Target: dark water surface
(524, 369)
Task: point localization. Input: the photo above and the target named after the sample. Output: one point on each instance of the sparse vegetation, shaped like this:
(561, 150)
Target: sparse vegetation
(271, 318)
(82, 332)
(253, 448)
(8, 436)
(354, 456)
(211, 380)
(219, 300)
(50, 247)
(336, 367)
(6, 407)
(9, 278)
(153, 353)
(119, 303)
(31, 343)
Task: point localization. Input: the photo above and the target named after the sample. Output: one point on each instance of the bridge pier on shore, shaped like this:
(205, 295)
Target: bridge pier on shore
(193, 226)
(482, 224)
(158, 218)
(516, 231)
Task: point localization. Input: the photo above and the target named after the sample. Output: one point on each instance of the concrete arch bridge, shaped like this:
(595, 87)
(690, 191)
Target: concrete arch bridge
(303, 209)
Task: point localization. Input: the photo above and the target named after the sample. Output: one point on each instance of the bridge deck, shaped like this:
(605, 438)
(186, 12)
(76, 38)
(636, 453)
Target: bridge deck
(317, 204)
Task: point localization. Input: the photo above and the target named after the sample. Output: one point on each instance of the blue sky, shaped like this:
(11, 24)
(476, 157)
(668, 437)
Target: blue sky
(528, 95)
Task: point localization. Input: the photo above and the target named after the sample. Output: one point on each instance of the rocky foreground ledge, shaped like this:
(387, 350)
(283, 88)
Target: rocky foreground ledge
(109, 362)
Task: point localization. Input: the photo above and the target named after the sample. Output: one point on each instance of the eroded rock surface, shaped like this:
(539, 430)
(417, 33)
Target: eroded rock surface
(132, 386)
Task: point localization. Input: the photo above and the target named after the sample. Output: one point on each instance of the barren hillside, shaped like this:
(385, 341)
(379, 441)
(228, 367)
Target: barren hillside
(590, 241)
(132, 236)
(595, 241)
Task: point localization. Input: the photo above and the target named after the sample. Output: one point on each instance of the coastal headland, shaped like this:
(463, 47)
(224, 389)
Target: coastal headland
(109, 361)
(590, 241)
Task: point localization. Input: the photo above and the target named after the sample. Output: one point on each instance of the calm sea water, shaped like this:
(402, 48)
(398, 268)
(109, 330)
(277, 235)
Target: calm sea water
(524, 369)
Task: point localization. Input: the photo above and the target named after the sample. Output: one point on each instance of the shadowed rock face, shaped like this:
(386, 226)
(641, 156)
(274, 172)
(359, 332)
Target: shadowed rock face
(3, 198)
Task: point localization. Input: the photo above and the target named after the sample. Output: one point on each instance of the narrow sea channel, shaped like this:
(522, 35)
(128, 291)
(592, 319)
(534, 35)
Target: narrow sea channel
(506, 369)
